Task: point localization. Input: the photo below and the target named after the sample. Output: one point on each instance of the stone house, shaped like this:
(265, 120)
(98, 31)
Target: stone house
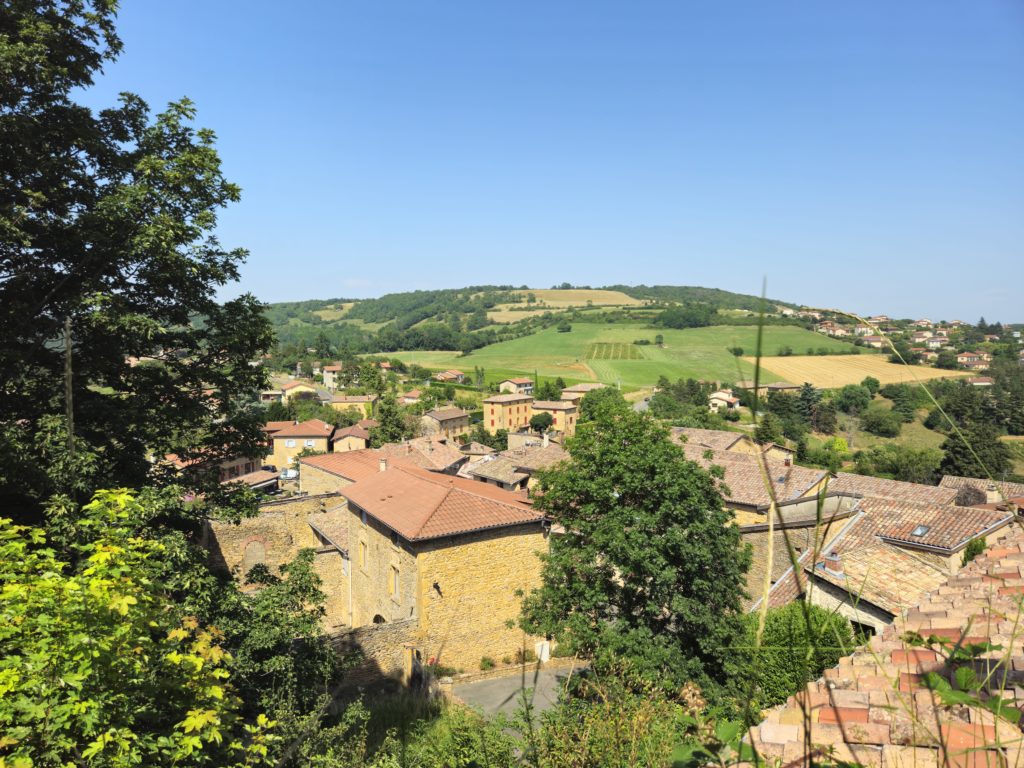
(563, 414)
(330, 374)
(518, 386)
(450, 377)
(451, 423)
(298, 389)
(577, 392)
(289, 441)
(723, 400)
(510, 412)
(447, 555)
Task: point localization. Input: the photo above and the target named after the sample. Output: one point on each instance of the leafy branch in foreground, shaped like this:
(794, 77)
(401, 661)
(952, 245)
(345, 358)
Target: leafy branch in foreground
(97, 666)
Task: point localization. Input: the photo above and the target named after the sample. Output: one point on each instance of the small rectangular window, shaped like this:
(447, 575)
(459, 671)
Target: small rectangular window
(309, 443)
(393, 585)
(289, 443)
(362, 554)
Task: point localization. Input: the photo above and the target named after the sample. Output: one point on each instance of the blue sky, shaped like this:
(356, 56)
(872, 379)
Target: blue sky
(868, 156)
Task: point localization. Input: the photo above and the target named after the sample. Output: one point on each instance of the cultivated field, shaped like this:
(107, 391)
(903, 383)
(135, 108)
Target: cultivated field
(336, 312)
(578, 297)
(831, 371)
(700, 353)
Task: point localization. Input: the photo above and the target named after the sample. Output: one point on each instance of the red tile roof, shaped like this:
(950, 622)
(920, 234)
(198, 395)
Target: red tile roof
(745, 482)
(865, 485)
(310, 428)
(274, 426)
(350, 465)
(553, 405)
(447, 414)
(508, 398)
(1005, 489)
(421, 505)
(874, 709)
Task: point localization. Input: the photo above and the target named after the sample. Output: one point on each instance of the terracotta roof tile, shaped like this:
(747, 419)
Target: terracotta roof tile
(421, 505)
(863, 485)
(332, 525)
(350, 465)
(745, 480)
(715, 439)
(310, 428)
(886, 678)
(588, 386)
(508, 398)
(553, 405)
(1007, 490)
(446, 414)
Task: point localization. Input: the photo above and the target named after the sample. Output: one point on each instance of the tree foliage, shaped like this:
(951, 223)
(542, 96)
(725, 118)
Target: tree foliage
(107, 220)
(977, 453)
(800, 641)
(602, 401)
(649, 567)
(98, 665)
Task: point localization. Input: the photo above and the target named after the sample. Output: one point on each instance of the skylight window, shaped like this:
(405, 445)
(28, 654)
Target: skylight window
(921, 530)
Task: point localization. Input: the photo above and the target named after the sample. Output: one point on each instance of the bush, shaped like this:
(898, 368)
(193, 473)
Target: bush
(974, 548)
(737, 351)
(784, 665)
(525, 656)
(853, 398)
(881, 422)
(487, 663)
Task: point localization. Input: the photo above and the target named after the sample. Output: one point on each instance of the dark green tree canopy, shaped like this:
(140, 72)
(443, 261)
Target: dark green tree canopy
(649, 567)
(106, 221)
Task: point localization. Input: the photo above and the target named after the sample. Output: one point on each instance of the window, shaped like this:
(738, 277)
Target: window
(393, 583)
(362, 554)
(289, 443)
(309, 443)
(921, 530)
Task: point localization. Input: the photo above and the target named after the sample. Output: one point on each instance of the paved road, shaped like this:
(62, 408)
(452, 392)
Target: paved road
(504, 694)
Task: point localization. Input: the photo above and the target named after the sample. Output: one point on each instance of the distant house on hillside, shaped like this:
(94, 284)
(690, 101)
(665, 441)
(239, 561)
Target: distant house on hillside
(330, 374)
(519, 386)
(723, 400)
(450, 377)
(298, 390)
(577, 392)
(875, 342)
(563, 414)
(362, 403)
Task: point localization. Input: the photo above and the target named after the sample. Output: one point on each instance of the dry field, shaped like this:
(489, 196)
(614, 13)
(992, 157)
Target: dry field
(579, 297)
(831, 371)
(336, 312)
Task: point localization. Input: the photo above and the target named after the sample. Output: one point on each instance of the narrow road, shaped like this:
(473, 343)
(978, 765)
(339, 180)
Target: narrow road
(505, 694)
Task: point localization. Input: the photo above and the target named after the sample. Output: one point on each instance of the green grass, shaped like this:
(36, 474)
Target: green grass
(700, 353)
(913, 435)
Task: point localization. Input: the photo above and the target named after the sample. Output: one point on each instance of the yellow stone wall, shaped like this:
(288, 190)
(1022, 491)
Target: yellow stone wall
(508, 416)
(364, 409)
(478, 576)
(314, 481)
(274, 537)
(283, 457)
(374, 554)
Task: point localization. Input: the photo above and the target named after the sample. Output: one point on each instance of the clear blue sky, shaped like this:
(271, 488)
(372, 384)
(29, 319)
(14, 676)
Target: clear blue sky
(864, 155)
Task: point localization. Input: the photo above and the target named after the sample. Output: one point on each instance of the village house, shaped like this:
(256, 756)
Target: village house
(875, 708)
(981, 381)
(875, 342)
(918, 337)
(451, 422)
(968, 358)
(723, 400)
(289, 441)
(563, 414)
(362, 403)
(510, 412)
(353, 438)
(450, 377)
(577, 392)
(268, 396)
(922, 323)
(862, 330)
(517, 468)
(876, 319)
(516, 386)
(330, 375)
(332, 472)
(229, 469)
(411, 397)
(935, 342)
(446, 558)
(300, 390)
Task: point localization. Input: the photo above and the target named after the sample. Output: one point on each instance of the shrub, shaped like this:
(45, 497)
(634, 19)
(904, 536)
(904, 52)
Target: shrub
(974, 548)
(506, 660)
(487, 663)
(791, 656)
(525, 656)
(882, 422)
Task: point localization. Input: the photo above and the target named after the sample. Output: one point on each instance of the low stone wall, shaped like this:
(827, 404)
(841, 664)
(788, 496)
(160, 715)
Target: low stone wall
(382, 647)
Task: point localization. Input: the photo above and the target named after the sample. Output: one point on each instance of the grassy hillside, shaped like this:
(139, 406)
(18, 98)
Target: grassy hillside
(601, 352)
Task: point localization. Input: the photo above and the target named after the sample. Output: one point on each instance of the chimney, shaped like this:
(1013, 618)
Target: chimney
(544, 440)
(833, 563)
(383, 464)
(788, 461)
(992, 494)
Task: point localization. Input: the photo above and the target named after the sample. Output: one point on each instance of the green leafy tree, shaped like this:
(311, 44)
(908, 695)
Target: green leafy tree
(824, 418)
(391, 425)
(979, 453)
(900, 462)
(541, 422)
(108, 219)
(882, 422)
(871, 384)
(649, 568)
(800, 641)
(853, 398)
(99, 667)
(600, 401)
(769, 430)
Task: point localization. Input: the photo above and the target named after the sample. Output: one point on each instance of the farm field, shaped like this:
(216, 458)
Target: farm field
(578, 297)
(831, 371)
(701, 353)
